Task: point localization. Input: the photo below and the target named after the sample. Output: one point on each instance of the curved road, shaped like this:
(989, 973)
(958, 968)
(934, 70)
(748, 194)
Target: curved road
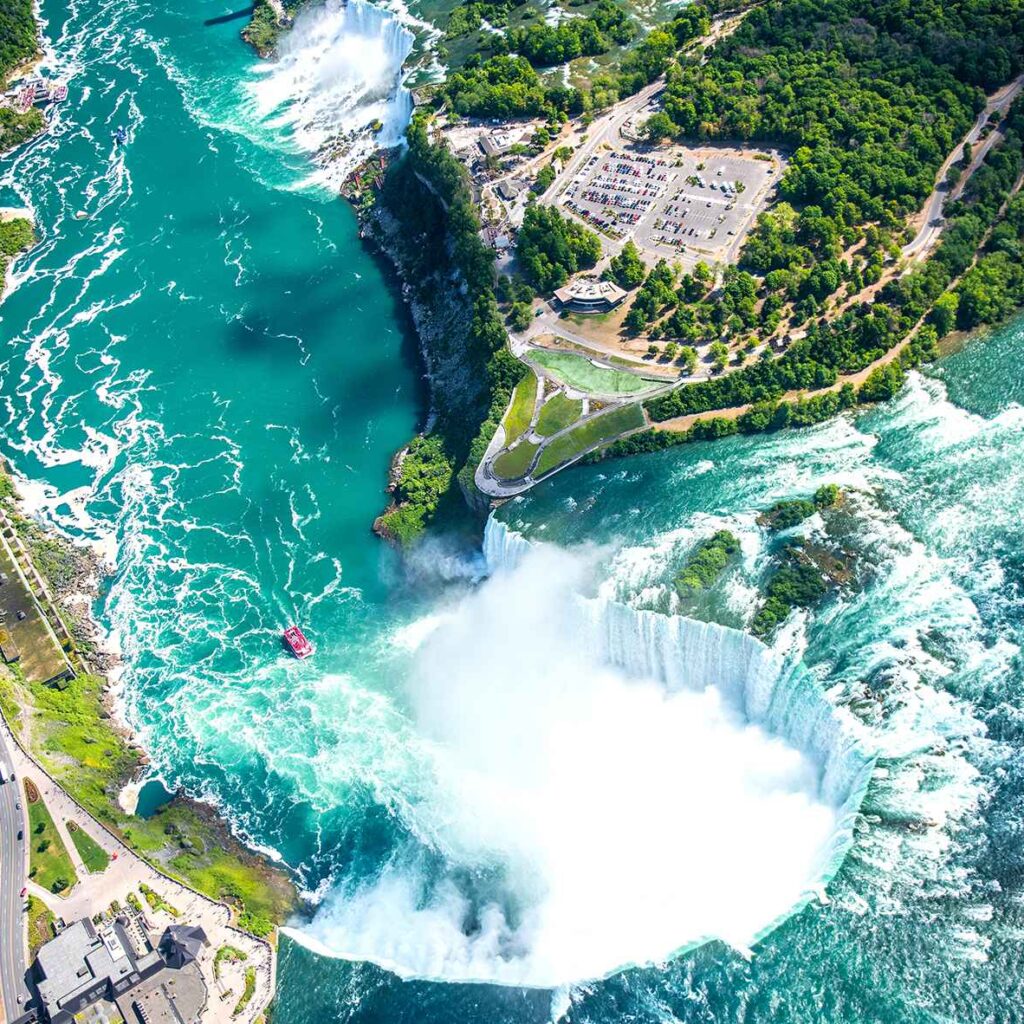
(932, 220)
(13, 876)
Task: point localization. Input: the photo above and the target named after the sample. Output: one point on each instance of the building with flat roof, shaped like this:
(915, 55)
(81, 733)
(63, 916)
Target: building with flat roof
(103, 969)
(588, 295)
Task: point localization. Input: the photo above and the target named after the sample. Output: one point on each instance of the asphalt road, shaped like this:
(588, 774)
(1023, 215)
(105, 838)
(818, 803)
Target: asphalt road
(13, 877)
(932, 221)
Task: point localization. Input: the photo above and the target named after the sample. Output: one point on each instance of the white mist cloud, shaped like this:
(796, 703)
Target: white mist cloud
(587, 820)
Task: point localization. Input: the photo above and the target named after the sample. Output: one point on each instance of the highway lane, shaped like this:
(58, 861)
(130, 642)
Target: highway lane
(13, 877)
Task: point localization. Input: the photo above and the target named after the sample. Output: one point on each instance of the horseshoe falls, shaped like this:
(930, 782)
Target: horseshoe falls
(516, 784)
(564, 730)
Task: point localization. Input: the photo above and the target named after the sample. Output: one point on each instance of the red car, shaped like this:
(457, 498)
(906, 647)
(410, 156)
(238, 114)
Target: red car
(24, 892)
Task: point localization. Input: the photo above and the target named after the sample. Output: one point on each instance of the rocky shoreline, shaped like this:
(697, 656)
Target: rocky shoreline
(381, 232)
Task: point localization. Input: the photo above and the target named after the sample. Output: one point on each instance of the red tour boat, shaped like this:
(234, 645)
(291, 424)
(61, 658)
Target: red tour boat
(297, 642)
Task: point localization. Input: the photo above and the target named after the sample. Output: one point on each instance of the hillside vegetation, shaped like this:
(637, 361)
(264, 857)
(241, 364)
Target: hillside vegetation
(18, 45)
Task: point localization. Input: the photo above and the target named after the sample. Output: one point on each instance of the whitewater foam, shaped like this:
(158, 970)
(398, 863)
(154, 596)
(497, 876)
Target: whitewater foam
(339, 70)
(599, 778)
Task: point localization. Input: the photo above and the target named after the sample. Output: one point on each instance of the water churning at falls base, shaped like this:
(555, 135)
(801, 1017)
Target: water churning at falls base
(600, 779)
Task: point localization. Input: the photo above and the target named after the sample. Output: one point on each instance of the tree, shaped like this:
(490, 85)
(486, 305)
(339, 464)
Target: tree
(657, 127)
(520, 316)
(944, 312)
(627, 269)
(719, 353)
(688, 358)
(552, 247)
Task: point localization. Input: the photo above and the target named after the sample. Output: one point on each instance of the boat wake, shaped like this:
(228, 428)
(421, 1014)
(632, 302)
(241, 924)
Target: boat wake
(601, 780)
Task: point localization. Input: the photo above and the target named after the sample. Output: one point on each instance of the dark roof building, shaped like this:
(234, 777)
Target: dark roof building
(181, 944)
(85, 966)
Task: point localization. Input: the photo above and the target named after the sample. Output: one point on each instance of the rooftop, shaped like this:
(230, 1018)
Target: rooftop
(81, 963)
(589, 292)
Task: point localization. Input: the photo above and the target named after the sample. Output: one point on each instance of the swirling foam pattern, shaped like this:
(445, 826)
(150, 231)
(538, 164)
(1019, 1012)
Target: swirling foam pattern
(203, 375)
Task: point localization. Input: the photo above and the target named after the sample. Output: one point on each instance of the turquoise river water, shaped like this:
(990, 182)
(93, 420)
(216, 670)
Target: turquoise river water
(513, 785)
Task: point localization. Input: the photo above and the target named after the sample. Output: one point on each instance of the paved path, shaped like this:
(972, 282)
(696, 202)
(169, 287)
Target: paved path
(13, 874)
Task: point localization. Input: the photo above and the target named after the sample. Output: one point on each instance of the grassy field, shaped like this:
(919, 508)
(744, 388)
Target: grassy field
(94, 857)
(512, 465)
(557, 413)
(578, 440)
(49, 864)
(519, 414)
(581, 374)
(91, 759)
(40, 925)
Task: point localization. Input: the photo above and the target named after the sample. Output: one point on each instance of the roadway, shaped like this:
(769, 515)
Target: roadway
(13, 877)
(932, 220)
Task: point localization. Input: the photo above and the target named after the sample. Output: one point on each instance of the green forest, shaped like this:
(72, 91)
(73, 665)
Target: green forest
(18, 45)
(17, 35)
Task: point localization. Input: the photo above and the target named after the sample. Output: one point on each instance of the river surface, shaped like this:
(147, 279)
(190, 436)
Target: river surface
(502, 793)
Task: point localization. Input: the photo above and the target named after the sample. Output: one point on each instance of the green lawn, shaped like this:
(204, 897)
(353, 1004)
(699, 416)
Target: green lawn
(580, 373)
(247, 992)
(94, 857)
(48, 862)
(601, 428)
(518, 417)
(557, 413)
(40, 924)
(513, 464)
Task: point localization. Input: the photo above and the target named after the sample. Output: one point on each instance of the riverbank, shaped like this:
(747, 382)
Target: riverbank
(72, 729)
(418, 211)
(20, 56)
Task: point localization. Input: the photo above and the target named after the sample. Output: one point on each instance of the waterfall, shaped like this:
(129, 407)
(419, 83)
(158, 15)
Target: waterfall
(769, 690)
(594, 788)
(338, 71)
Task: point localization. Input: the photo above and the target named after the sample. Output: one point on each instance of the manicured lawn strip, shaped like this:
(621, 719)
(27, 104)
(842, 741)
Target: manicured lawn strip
(513, 464)
(557, 413)
(587, 434)
(580, 373)
(247, 992)
(49, 863)
(94, 857)
(518, 417)
(40, 924)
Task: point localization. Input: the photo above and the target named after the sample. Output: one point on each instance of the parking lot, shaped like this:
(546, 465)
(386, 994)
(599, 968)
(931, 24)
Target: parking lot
(674, 202)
